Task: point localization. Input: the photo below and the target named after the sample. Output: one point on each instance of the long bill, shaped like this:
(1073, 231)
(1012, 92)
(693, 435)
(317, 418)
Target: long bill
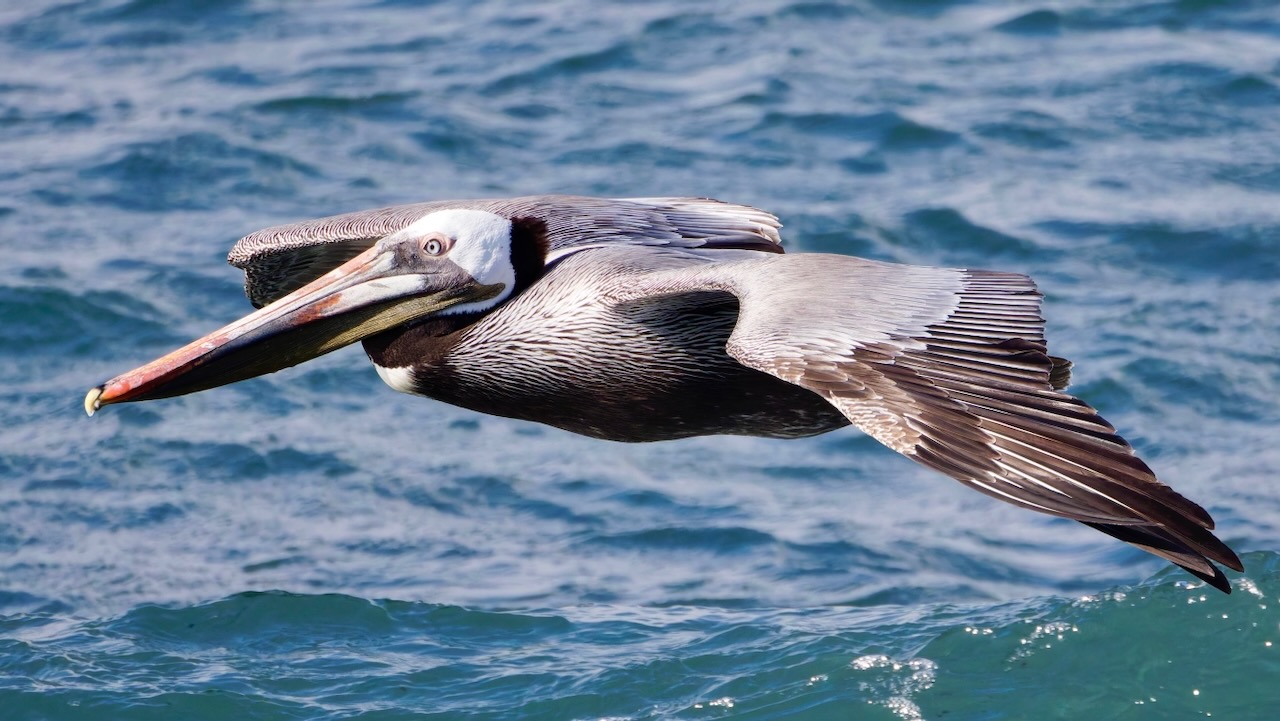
(366, 295)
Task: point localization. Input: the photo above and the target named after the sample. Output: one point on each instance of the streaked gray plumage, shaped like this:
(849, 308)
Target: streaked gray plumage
(647, 319)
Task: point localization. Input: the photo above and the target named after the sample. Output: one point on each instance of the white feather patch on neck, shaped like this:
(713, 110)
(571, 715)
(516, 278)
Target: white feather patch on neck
(482, 247)
(400, 379)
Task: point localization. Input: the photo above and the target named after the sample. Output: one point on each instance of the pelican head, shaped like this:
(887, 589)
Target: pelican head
(447, 262)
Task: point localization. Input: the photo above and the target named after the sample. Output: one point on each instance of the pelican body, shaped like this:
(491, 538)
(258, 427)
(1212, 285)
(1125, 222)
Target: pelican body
(648, 319)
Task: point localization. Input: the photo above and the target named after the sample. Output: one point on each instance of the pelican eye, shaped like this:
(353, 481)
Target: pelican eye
(436, 245)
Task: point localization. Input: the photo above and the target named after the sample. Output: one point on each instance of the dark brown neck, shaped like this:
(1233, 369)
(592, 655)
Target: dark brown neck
(528, 252)
(426, 342)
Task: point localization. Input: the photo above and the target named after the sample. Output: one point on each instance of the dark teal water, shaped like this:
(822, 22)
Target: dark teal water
(312, 545)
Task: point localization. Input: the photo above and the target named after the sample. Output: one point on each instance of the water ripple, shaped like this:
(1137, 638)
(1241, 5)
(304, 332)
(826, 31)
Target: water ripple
(1122, 153)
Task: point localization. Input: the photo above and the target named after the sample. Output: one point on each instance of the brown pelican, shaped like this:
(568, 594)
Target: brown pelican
(654, 318)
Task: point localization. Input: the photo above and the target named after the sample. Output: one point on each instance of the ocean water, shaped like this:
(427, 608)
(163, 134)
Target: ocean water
(311, 545)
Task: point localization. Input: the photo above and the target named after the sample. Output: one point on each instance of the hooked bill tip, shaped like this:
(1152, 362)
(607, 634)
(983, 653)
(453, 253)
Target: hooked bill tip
(91, 403)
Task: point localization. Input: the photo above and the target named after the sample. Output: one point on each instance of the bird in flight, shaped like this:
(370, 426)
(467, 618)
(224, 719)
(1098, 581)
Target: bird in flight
(647, 319)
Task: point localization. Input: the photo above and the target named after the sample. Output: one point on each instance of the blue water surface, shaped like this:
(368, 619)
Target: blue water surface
(311, 545)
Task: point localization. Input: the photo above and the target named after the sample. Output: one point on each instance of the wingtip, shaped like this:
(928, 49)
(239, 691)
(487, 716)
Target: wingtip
(1217, 579)
(1190, 554)
(1231, 560)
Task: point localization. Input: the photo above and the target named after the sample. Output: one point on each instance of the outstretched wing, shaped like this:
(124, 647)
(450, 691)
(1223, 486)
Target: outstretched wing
(281, 259)
(949, 367)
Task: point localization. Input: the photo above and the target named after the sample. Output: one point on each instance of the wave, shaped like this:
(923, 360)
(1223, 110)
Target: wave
(1167, 643)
